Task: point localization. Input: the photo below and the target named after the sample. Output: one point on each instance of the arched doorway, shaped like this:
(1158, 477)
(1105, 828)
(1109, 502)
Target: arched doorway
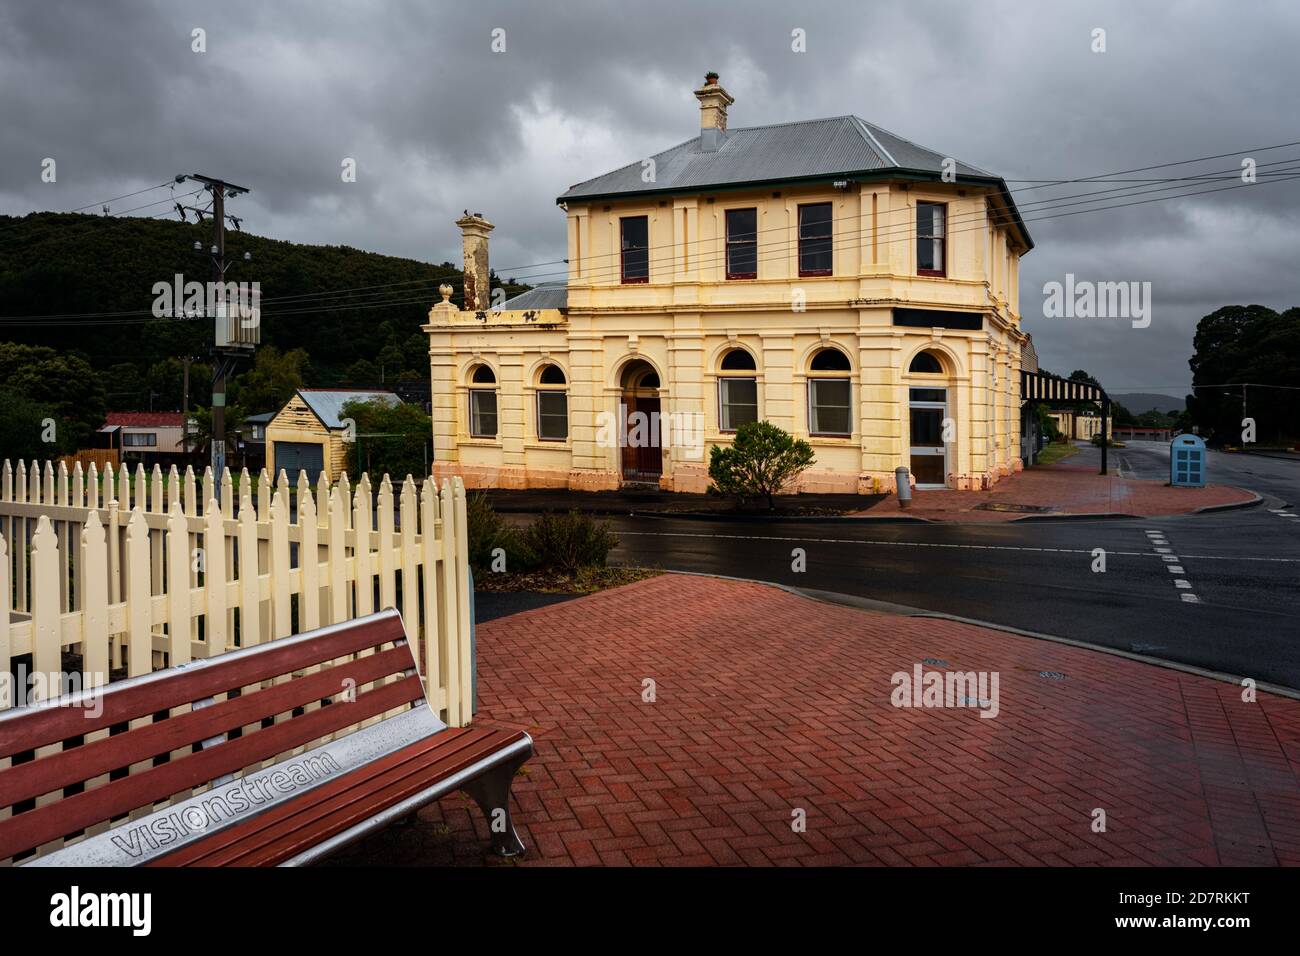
(930, 434)
(642, 456)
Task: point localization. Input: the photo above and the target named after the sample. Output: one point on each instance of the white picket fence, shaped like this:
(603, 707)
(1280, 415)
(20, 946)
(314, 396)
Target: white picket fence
(138, 573)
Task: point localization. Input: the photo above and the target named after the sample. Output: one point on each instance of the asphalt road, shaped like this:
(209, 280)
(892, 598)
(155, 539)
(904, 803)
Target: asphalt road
(1242, 567)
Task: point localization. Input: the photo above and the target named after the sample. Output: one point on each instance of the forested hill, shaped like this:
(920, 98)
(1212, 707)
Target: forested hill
(66, 264)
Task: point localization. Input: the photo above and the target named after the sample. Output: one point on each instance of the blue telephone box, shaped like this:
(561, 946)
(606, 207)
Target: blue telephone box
(1187, 462)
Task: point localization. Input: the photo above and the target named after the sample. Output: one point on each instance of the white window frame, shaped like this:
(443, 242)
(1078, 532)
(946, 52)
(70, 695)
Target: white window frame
(563, 392)
(496, 412)
(847, 378)
(747, 376)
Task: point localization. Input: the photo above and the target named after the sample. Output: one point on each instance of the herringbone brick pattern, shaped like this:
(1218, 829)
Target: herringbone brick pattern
(766, 703)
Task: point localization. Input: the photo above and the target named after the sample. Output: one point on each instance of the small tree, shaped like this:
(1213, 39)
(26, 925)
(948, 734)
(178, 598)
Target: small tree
(761, 461)
(389, 438)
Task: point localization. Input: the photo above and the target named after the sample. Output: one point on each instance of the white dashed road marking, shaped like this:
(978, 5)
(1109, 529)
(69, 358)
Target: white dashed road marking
(1172, 562)
(1166, 556)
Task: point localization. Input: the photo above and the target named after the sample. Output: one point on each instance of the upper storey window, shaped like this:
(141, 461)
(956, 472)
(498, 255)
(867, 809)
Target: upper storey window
(815, 254)
(742, 243)
(931, 222)
(635, 246)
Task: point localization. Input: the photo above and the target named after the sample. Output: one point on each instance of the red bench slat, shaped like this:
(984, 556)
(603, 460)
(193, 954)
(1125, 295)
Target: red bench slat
(24, 831)
(55, 724)
(287, 829)
(333, 808)
(78, 764)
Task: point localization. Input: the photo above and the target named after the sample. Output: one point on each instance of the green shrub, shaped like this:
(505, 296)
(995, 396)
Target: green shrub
(761, 461)
(488, 531)
(568, 542)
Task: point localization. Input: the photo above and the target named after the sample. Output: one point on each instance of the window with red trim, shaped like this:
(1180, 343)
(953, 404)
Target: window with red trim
(742, 243)
(931, 240)
(635, 247)
(815, 242)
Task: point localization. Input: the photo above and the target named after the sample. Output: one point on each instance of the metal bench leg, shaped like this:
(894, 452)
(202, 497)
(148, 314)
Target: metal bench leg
(492, 794)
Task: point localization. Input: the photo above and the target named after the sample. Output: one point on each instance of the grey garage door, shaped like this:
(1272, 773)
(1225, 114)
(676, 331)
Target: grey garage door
(295, 456)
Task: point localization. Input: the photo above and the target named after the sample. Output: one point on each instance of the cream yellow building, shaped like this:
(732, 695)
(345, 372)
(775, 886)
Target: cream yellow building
(828, 276)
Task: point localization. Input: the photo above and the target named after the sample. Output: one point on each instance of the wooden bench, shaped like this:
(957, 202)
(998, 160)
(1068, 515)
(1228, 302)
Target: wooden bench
(107, 777)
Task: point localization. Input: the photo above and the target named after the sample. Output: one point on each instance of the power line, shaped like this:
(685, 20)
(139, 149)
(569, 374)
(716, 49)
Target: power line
(885, 234)
(984, 220)
(105, 202)
(77, 230)
(850, 243)
(891, 230)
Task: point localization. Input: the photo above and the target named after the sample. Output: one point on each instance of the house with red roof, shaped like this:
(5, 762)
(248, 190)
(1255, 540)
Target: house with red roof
(147, 437)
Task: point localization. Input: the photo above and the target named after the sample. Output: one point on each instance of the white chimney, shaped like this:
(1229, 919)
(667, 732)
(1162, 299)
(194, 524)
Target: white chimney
(714, 101)
(474, 231)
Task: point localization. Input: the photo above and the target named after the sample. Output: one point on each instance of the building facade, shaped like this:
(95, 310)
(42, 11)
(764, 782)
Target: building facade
(855, 289)
(146, 437)
(311, 433)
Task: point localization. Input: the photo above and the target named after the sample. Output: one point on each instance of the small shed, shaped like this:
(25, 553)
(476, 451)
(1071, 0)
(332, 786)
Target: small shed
(309, 433)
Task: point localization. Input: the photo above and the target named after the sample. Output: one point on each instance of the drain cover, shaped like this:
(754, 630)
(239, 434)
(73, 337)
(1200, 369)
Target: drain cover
(934, 662)
(1004, 506)
(1052, 675)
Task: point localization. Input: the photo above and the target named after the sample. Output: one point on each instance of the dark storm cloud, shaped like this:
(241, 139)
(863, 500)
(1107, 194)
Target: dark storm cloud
(437, 122)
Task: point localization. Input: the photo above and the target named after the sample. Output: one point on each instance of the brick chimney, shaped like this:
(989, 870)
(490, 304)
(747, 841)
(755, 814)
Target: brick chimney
(474, 231)
(714, 101)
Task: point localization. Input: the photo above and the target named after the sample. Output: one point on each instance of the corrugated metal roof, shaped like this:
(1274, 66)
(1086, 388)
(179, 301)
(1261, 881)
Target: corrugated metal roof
(145, 419)
(1028, 355)
(802, 150)
(809, 149)
(545, 295)
(327, 403)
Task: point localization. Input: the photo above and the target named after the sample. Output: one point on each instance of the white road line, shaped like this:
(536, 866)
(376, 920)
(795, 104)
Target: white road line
(927, 544)
(897, 544)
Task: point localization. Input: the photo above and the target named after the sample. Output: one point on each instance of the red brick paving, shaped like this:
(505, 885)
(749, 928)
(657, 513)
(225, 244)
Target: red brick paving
(767, 702)
(1065, 489)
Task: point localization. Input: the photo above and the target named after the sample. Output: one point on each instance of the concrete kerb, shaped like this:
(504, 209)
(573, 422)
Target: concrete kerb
(778, 519)
(885, 607)
(1232, 505)
(614, 511)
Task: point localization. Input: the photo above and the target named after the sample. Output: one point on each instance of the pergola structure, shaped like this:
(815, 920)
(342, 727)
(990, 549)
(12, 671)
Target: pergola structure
(1044, 387)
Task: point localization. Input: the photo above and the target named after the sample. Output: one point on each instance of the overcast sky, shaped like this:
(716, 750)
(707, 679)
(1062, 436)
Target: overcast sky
(437, 122)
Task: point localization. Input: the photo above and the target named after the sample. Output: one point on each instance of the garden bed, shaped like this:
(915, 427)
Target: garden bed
(546, 581)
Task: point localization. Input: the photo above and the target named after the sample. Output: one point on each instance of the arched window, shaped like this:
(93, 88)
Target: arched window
(737, 360)
(737, 390)
(830, 394)
(830, 360)
(927, 363)
(483, 403)
(552, 404)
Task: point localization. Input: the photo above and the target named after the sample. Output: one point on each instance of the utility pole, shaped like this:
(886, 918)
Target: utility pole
(224, 358)
(218, 191)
